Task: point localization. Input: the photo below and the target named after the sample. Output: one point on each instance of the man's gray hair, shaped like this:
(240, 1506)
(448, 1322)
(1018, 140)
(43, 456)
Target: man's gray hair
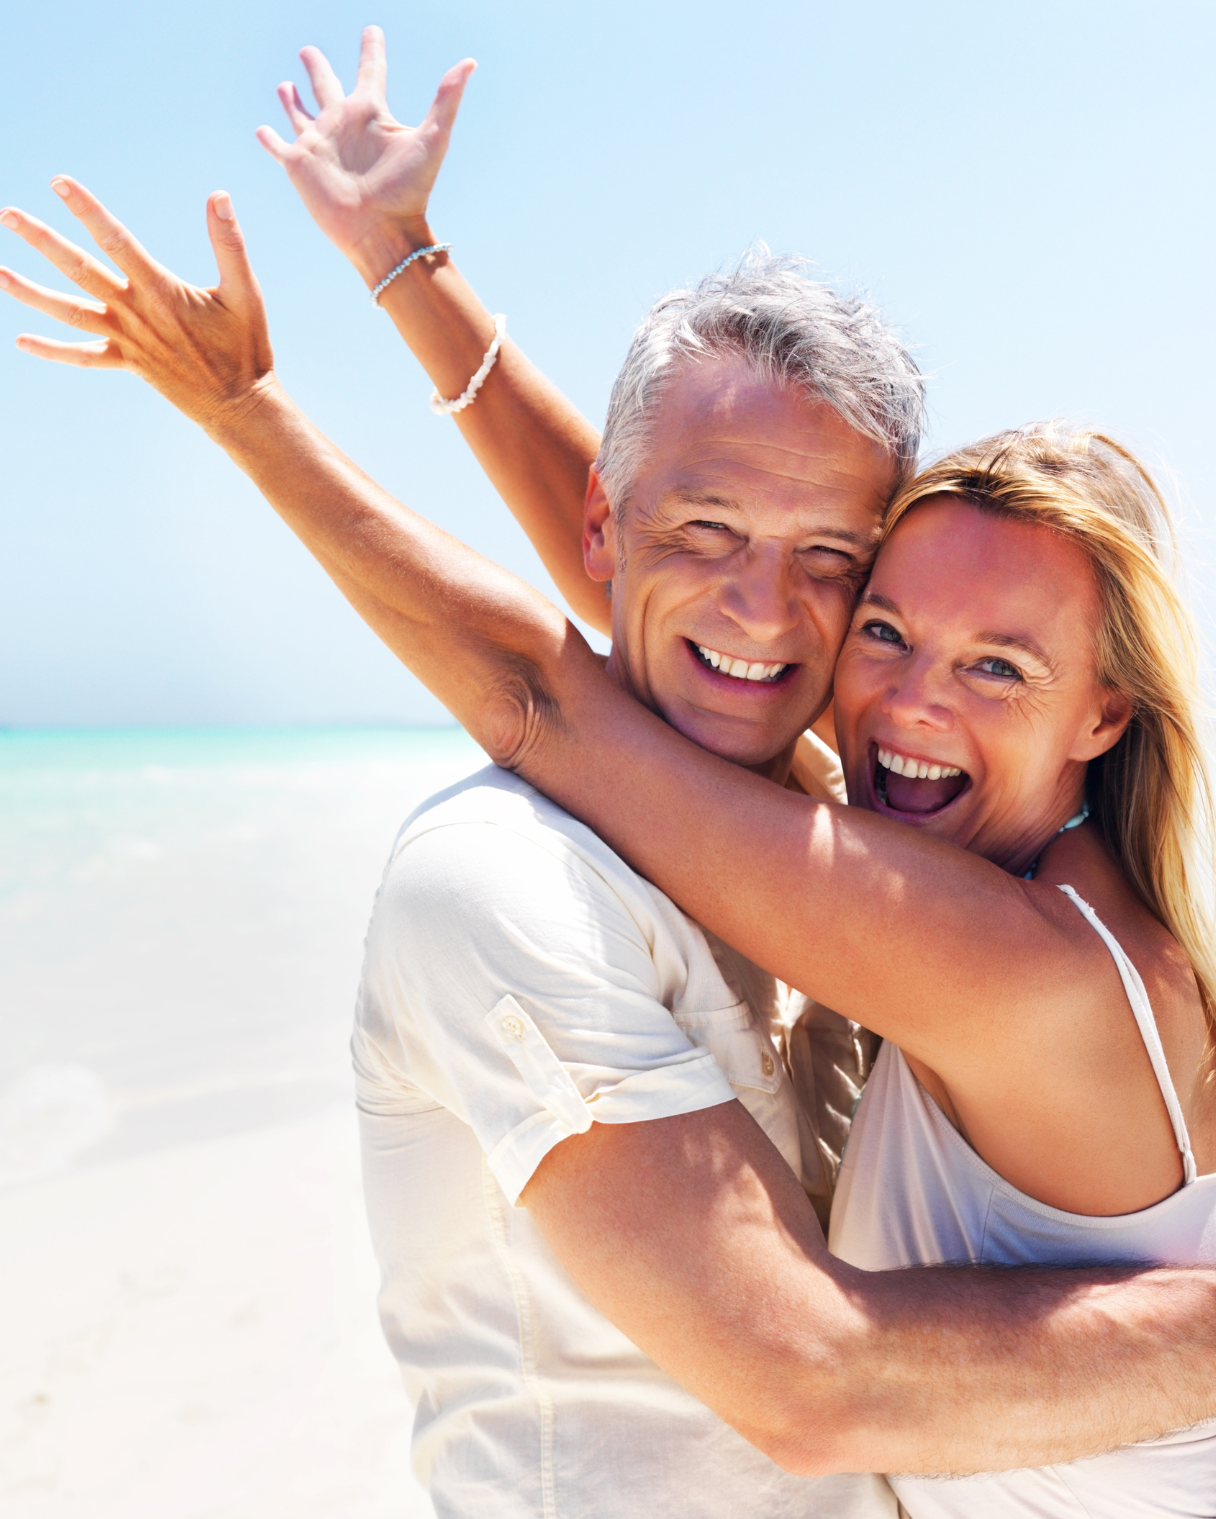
(789, 328)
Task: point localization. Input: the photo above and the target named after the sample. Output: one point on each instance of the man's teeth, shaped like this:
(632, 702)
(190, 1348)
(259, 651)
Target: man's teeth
(917, 770)
(739, 668)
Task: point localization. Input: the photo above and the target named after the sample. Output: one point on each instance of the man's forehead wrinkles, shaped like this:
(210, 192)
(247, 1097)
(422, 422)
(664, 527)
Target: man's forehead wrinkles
(755, 456)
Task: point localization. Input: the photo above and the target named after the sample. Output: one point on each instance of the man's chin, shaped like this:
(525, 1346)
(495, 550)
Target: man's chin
(751, 745)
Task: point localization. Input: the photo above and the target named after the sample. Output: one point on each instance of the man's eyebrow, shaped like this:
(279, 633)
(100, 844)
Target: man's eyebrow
(728, 503)
(702, 497)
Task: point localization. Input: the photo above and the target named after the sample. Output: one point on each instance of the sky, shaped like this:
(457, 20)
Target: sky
(1027, 190)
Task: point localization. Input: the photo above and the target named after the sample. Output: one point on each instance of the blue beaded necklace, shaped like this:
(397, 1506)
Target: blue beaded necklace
(1074, 822)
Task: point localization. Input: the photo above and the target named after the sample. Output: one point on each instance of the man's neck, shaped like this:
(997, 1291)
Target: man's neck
(778, 768)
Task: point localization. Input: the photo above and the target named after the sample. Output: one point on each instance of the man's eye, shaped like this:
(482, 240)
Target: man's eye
(713, 527)
(821, 560)
(1000, 668)
(882, 631)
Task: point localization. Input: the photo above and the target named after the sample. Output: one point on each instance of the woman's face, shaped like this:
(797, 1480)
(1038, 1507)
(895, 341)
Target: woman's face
(966, 699)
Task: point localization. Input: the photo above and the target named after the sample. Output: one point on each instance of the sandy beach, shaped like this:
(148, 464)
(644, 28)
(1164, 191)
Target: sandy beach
(188, 1305)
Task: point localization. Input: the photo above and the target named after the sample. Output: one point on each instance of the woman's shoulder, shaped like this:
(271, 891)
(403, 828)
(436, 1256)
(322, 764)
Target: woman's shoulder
(1081, 859)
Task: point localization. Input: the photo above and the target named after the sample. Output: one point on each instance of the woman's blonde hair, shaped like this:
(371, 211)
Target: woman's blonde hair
(1150, 794)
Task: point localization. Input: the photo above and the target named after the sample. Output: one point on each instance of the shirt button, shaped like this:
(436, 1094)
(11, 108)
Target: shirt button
(766, 1064)
(512, 1027)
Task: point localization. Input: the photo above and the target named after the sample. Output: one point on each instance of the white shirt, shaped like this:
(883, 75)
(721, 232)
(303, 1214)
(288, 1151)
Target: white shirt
(520, 983)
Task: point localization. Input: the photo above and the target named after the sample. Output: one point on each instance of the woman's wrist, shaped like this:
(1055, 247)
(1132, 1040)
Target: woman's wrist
(386, 244)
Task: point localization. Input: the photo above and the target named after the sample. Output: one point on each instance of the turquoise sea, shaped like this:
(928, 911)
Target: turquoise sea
(181, 922)
(188, 1310)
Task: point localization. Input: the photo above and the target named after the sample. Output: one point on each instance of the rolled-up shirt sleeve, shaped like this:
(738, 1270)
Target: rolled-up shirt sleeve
(509, 981)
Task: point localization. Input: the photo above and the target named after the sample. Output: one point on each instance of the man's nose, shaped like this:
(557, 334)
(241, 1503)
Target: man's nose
(915, 697)
(759, 596)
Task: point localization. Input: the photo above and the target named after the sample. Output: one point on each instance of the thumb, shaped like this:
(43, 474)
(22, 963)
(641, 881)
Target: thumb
(446, 103)
(237, 280)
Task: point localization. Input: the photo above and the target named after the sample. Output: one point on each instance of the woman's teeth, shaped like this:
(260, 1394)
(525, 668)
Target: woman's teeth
(917, 770)
(725, 664)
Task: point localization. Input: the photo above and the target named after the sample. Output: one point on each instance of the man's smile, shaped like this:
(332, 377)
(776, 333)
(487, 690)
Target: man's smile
(736, 667)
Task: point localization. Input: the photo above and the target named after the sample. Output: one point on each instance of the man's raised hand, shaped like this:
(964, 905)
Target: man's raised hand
(206, 351)
(365, 178)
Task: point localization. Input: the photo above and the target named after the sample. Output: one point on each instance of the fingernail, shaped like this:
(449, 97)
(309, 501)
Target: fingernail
(61, 187)
(3, 279)
(223, 207)
(9, 218)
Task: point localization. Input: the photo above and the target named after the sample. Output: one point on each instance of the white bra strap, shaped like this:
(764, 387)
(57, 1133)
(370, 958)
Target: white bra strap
(1147, 1024)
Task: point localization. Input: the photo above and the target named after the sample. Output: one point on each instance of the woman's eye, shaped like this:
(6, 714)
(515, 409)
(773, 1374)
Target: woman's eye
(883, 632)
(1000, 668)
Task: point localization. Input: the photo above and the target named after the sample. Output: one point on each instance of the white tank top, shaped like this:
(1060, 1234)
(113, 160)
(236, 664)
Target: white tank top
(913, 1192)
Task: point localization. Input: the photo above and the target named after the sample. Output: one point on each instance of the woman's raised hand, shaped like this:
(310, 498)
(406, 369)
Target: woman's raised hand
(360, 172)
(206, 351)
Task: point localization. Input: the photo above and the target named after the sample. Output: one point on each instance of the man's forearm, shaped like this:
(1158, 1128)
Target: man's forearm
(471, 631)
(694, 1237)
(964, 1369)
(533, 444)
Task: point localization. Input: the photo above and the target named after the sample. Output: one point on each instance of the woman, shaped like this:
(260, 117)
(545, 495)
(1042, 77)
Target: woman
(1010, 902)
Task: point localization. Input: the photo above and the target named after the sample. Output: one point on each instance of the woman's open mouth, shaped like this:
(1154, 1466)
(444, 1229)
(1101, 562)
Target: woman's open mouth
(913, 785)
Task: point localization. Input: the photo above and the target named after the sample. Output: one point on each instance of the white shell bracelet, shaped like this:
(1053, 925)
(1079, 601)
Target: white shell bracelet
(404, 265)
(443, 408)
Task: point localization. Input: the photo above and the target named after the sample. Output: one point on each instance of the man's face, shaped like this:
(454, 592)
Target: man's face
(739, 556)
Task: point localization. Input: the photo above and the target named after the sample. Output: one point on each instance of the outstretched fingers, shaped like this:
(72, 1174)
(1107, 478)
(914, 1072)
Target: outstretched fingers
(274, 144)
(442, 115)
(297, 113)
(238, 287)
(68, 309)
(80, 267)
(100, 355)
(373, 64)
(326, 86)
(106, 231)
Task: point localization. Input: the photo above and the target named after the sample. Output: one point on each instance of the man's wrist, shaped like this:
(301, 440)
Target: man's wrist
(385, 245)
(235, 423)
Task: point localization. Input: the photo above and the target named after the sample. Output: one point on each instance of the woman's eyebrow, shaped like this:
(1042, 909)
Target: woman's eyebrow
(874, 599)
(1010, 641)
(1001, 640)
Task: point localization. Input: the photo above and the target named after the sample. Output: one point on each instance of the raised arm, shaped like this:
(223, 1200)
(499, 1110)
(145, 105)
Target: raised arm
(978, 968)
(366, 180)
(825, 1367)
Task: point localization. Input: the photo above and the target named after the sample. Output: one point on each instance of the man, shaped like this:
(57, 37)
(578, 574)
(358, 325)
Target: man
(367, 182)
(521, 982)
(538, 1025)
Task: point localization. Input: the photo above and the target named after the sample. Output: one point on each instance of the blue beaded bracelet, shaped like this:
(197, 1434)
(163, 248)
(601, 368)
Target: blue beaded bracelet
(404, 265)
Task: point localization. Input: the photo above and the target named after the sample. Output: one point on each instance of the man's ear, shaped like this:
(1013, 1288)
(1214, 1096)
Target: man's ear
(599, 530)
(1105, 727)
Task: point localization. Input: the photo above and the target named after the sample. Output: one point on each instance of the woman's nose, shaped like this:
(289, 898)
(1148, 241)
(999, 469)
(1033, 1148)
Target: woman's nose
(913, 699)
